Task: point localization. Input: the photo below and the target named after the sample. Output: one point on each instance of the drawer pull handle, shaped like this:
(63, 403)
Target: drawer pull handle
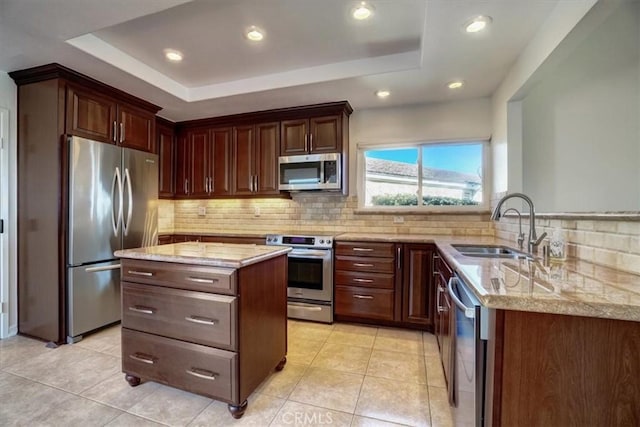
(358, 264)
(363, 249)
(200, 280)
(357, 279)
(142, 309)
(202, 373)
(144, 358)
(140, 273)
(363, 296)
(200, 320)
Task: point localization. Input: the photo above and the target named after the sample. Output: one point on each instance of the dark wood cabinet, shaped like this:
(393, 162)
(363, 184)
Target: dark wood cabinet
(198, 141)
(255, 154)
(314, 135)
(98, 116)
(365, 282)
(443, 315)
(183, 167)
(417, 287)
(165, 141)
(219, 156)
(55, 102)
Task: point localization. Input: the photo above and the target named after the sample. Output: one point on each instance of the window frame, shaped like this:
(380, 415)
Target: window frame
(482, 207)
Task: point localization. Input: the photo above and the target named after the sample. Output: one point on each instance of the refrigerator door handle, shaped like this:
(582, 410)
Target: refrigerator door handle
(127, 223)
(116, 183)
(104, 268)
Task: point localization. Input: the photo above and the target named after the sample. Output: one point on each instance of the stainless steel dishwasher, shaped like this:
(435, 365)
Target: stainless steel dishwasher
(470, 334)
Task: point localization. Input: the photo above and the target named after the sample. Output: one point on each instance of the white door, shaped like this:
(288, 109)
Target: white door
(4, 210)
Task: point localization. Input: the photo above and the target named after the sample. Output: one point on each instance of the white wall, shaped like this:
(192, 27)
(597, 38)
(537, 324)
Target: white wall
(581, 133)
(8, 100)
(507, 153)
(459, 120)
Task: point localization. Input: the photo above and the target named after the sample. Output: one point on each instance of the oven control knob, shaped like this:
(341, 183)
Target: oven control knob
(328, 242)
(321, 241)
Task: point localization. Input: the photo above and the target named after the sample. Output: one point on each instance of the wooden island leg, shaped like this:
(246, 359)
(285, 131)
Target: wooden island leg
(280, 365)
(237, 411)
(132, 380)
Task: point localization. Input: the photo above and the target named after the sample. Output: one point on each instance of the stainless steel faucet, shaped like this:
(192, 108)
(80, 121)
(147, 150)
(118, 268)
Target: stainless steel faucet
(534, 240)
(520, 239)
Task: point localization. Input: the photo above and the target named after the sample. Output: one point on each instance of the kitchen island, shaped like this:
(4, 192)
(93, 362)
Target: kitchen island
(209, 318)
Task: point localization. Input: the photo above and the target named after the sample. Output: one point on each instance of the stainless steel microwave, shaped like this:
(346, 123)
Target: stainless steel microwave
(310, 172)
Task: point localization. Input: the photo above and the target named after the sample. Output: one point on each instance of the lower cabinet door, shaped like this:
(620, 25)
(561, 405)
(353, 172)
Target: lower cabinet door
(196, 368)
(364, 302)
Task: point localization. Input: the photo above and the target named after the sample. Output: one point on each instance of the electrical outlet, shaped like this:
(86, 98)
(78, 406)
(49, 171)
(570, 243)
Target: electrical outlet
(398, 219)
(202, 211)
(256, 211)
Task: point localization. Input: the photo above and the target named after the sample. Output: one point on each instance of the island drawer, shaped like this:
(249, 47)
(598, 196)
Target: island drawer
(182, 276)
(364, 302)
(192, 316)
(192, 367)
(352, 263)
(366, 249)
(362, 279)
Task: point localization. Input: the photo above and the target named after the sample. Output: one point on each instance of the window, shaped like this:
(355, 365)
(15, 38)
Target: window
(446, 175)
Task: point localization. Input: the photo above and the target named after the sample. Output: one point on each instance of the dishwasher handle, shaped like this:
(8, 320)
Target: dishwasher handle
(469, 312)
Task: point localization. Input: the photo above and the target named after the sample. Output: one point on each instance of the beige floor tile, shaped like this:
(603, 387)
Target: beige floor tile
(128, 420)
(18, 349)
(69, 368)
(435, 374)
(402, 345)
(261, 410)
(281, 384)
(310, 331)
(297, 414)
(352, 338)
(405, 334)
(302, 351)
(394, 401)
(439, 406)
(430, 344)
(359, 421)
(76, 411)
(103, 341)
(397, 366)
(329, 389)
(170, 406)
(341, 357)
(116, 392)
(355, 329)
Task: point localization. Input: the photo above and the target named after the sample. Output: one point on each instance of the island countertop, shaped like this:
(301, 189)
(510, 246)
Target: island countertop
(227, 255)
(573, 287)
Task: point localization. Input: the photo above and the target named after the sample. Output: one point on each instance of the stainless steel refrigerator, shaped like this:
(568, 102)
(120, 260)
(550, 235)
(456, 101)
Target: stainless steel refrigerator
(113, 194)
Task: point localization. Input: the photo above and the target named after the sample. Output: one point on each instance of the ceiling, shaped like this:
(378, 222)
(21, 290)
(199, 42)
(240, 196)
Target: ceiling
(313, 51)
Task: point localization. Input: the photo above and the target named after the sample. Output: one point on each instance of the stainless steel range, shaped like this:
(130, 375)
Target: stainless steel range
(310, 278)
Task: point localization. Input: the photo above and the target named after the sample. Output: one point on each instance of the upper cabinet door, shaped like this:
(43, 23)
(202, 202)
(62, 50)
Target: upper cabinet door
(183, 167)
(90, 116)
(166, 150)
(199, 146)
(295, 137)
(243, 160)
(136, 128)
(267, 147)
(325, 134)
(220, 159)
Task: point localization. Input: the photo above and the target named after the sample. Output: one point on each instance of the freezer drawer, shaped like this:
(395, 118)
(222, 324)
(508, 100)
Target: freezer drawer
(93, 295)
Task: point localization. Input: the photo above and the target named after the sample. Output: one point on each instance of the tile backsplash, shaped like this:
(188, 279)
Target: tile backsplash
(612, 243)
(308, 213)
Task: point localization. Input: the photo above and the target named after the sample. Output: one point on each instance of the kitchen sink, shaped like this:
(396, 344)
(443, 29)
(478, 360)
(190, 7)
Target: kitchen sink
(490, 251)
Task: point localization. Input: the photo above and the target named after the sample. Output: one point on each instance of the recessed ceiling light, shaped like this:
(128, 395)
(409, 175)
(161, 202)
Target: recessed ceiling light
(254, 34)
(477, 24)
(173, 55)
(362, 11)
(456, 84)
(383, 93)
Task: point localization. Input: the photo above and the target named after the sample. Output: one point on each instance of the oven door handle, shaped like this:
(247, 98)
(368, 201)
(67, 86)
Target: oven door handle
(302, 306)
(469, 312)
(308, 254)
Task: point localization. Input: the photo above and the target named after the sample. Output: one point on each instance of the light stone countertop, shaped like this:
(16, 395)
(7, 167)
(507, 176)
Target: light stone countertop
(212, 254)
(573, 287)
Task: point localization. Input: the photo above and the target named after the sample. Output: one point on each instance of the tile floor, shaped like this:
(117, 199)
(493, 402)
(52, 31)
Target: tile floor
(336, 375)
